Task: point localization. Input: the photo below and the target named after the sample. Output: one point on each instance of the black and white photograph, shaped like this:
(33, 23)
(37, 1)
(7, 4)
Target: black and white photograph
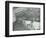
(24, 18)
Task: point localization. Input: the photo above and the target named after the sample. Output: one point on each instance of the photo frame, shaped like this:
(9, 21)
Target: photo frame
(24, 18)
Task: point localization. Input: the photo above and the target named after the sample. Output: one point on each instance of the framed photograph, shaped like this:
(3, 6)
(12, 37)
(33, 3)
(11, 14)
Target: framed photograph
(24, 18)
